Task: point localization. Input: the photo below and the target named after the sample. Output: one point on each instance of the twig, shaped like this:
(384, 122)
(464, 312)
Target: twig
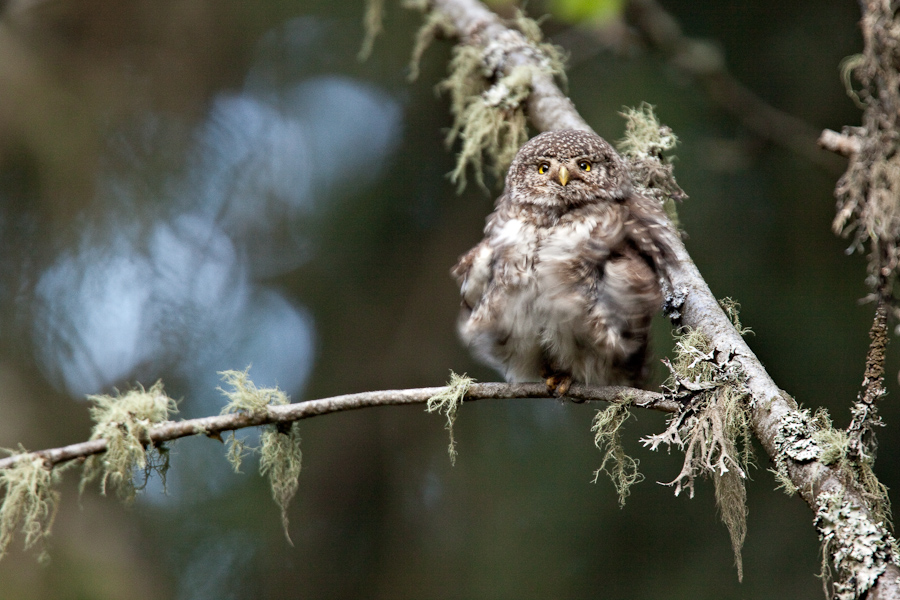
(862, 442)
(705, 63)
(288, 413)
(839, 143)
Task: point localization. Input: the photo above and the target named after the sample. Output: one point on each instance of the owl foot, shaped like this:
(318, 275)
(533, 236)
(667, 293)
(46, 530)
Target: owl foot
(559, 385)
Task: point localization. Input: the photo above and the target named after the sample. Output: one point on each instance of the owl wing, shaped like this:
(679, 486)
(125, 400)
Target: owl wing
(648, 228)
(473, 273)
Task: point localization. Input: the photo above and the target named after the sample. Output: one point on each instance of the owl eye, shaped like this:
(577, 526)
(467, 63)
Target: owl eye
(543, 168)
(584, 165)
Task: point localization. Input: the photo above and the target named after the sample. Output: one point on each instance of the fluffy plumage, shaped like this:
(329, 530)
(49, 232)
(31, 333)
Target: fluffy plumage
(567, 279)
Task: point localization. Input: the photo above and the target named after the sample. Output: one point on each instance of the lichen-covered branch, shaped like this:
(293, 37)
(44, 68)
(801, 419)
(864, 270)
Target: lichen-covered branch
(867, 208)
(862, 443)
(690, 303)
(288, 413)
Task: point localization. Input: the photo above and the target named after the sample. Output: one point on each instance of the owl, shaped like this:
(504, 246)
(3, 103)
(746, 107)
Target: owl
(565, 283)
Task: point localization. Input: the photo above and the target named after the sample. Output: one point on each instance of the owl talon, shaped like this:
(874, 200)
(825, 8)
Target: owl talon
(559, 385)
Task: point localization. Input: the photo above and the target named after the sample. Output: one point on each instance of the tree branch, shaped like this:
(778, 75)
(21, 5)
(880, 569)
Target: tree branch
(839, 143)
(772, 410)
(288, 413)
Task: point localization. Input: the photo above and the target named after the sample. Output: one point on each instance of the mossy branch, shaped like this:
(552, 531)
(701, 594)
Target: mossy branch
(215, 426)
(124, 421)
(713, 429)
(30, 478)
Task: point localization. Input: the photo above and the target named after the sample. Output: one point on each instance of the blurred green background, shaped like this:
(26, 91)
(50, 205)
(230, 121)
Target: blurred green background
(190, 186)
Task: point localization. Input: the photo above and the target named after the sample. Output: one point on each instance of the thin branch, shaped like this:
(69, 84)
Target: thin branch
(705, 63)
(862, 444)
(839, 143)
(288, 413)
(772, 409)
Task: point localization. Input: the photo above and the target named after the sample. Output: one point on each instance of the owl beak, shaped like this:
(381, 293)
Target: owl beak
(563, 175)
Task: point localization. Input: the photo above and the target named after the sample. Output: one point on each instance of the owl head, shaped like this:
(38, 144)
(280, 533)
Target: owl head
(567, 168)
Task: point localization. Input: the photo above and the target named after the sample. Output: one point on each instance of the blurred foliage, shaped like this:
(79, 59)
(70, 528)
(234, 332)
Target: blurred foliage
(588, 12)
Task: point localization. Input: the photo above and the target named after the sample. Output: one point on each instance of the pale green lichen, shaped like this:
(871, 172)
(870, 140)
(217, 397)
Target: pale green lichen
(372, 26)
(235, 451)
(244, 396)
(802, 437)
(30, 500)
(125, 421)
(645, 145)
(488, 106)
(623, 469)
(436, 23)
(280, 455)
(848, 66)
(447, 402)
(835, 444)
(732, 310)
(281, 461)
(855, 550)
(794, 441)
(713, 429)
(645, 136)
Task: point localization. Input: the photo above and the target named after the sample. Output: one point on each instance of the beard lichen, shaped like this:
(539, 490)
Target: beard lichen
(488, 106)
(855, 550)
(436, 24)
(280, 457)
(281, 460)
(713, 428)
(447, 402)
(645, 145)
(867, 206)
(624, 470)
(372, 26)
(30, 501)
(124, 421)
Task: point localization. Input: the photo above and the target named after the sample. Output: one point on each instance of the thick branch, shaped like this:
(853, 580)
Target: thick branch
(288, 413)
(771, 408)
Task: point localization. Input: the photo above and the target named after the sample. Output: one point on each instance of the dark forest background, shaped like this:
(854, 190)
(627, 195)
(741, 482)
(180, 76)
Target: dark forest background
(190, 186)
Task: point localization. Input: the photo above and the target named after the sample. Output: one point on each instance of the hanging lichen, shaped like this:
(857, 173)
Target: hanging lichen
(447, 402)
(372, 26)
(713, 428)
(281, 460)
(488, 95)
(280, 457)
(30, 500)
(621, 468)
(436, 23)
(867, 193)
(124, 421)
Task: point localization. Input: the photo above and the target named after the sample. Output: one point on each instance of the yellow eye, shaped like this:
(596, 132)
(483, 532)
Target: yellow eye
(584, 165)
(543, 168)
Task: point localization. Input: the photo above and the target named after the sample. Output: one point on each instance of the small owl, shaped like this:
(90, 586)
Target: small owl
(567, 279)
